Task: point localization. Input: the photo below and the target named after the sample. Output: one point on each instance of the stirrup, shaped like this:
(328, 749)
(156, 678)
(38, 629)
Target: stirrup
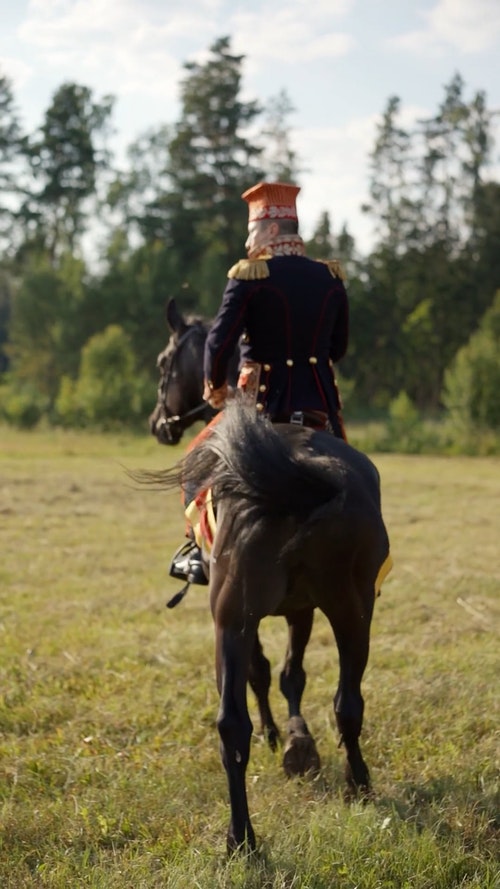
(187, 564)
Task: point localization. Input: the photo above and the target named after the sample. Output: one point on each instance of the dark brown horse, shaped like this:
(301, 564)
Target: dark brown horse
(299, 527)
(180, 390)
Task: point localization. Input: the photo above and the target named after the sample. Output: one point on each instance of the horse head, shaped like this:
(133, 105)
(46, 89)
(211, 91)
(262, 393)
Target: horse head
(180, 390)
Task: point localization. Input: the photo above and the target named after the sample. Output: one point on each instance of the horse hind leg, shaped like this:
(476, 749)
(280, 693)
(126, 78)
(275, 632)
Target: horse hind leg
(259, 677)
(300, 755)
(352, 631)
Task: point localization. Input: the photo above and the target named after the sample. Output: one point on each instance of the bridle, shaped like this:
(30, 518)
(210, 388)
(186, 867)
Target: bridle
(163, 389)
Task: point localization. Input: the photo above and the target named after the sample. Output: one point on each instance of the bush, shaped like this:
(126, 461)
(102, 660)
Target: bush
(404, 427)
(22, 405)
(472, 383)
(109, 391)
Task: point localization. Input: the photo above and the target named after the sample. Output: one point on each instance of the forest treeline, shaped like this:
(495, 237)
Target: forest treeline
(80, 330)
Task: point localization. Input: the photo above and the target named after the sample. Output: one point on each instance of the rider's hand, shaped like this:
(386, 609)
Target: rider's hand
(215, 397)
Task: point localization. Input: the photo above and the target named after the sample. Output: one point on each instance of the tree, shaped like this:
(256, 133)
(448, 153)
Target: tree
(482, 249)
(66, 156)
(10, 157)
(279, 159)
(320, 246)
(47, 330)
(140, 193)
(212, 162)
(133, 291)
(390, 165)
(456, 145)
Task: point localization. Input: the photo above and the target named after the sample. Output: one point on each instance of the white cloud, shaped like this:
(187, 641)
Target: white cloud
(18, 71)
(132, 47)
(458, 24)
(285, 35)
(111, 42)
(333, 158)
(468, 26)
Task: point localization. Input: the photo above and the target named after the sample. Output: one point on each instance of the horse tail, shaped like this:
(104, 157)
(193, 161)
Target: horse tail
(246, 459)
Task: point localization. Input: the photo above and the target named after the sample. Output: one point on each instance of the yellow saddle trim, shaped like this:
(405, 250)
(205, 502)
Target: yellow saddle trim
(249, 270)
(193, 515)
(383, 572)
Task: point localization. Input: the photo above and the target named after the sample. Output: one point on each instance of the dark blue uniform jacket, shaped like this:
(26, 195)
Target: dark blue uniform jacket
(294, 323)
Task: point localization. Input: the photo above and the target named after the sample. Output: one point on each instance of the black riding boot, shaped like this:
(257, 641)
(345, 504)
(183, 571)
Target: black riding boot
(187, 564)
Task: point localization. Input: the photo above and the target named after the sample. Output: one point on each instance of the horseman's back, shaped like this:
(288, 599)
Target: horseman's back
(284, 309)
(292, 312)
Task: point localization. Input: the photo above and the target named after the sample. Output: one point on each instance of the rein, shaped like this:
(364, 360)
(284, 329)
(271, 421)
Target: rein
(178, 417)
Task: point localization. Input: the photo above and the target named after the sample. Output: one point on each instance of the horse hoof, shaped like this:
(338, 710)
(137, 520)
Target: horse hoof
(360, 789)
(300, 756)
(244, 848)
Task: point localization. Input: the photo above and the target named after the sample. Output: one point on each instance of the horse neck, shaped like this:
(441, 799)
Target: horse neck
(191, 369)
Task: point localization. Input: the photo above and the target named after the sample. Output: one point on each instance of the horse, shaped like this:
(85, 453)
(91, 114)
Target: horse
(299, 527)
(180, 390)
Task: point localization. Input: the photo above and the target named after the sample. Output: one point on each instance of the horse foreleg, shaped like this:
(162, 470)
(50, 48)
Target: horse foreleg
(235, 728)
(259, 678)
(300, 754)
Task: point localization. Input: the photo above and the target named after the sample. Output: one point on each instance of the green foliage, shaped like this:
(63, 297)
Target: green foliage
(472, 382)
(173, 222)
(404, 430)
(49, 323)
(65, 158)
(212, 162)
(108, 391)
(21, 405)
(10, 150)
(278, 157)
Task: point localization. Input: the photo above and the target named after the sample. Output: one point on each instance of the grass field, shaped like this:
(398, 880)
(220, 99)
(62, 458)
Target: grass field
(109, 766)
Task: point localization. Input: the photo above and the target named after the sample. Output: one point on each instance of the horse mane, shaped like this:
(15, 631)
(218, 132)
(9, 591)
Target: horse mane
(198, 321)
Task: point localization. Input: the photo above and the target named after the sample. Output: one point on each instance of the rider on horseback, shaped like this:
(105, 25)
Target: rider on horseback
(290, 314)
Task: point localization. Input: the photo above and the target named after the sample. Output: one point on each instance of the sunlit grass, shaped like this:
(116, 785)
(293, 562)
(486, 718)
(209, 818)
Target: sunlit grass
(109, 766)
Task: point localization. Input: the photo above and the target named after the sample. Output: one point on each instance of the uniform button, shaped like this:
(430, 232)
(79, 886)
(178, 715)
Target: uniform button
(259, 407)
(289, 362)
(267, 367)
(313, 360)
(262, 388)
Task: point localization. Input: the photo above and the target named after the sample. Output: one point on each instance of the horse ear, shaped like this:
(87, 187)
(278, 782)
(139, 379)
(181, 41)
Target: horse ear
(175, 319)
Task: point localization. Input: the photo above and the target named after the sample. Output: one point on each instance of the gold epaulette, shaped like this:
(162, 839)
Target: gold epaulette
(334, 267)
(249, 270)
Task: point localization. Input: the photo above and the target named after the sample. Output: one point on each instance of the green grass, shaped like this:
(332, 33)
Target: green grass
(109, 767)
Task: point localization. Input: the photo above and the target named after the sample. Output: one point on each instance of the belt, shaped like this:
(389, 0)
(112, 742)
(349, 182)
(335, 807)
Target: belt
(314, 419)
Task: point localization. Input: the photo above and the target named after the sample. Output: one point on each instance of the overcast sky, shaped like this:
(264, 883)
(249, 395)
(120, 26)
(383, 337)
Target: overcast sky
(338, 60)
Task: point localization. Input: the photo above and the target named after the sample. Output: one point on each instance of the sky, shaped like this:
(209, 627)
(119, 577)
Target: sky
(338, 60)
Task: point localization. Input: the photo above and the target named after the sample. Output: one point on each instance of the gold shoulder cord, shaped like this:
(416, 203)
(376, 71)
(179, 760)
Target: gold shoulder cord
(334, 268)
(249, 270)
